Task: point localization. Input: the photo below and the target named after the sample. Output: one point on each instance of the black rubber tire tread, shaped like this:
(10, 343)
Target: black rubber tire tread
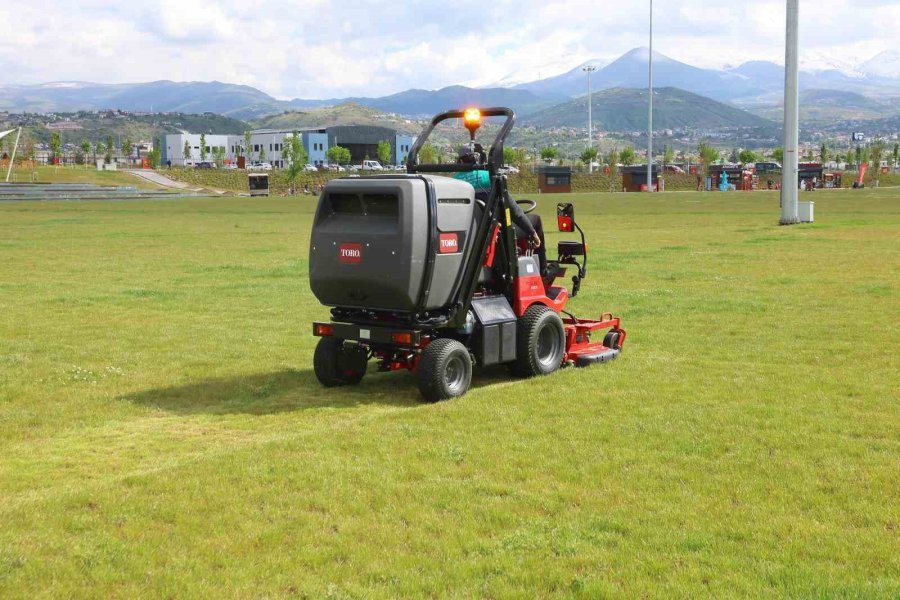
(432, 363)
(329, 364)
(536, 317)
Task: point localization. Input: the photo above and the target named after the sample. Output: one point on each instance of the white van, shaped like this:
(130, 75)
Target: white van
(372, 165)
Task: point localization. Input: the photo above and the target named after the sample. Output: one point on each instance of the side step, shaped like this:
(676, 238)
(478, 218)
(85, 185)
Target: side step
(606, 355)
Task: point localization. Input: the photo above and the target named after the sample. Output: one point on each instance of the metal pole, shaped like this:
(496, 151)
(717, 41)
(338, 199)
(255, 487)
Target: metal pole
(590, 69)
(789, 183)
(12, 159)
(650, 107)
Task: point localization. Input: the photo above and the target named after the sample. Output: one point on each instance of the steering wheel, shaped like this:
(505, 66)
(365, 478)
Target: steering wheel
(527, 205)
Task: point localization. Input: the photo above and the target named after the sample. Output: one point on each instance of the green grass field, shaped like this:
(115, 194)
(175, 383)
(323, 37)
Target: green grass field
(162, 433)
(76, 174)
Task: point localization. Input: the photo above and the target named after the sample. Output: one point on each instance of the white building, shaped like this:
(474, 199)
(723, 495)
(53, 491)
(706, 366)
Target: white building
(174, 148)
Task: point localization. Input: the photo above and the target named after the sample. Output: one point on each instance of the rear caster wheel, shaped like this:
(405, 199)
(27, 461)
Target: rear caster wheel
(541, 342)
(612, 340)
(445, 370)
(338, 364)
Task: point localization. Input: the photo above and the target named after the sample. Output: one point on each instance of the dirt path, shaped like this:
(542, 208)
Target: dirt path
(160, 179)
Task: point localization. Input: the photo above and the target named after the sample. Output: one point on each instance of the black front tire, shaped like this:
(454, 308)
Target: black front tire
(445, 370)
(541, 342)
(336, 364)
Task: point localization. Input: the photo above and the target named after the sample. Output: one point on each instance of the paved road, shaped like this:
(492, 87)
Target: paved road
(159, 179)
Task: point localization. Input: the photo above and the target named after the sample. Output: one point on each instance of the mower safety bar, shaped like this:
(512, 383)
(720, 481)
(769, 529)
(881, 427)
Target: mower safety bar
(495, 158)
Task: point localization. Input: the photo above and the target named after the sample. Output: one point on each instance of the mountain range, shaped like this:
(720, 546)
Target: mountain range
(753, 84)
(625, 109)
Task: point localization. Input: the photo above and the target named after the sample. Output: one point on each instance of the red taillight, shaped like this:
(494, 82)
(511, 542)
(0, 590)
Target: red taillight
(564, 223)
(402, 338)
(323, 329)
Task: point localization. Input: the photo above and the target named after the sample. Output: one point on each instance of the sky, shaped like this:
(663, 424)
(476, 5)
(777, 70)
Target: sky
(334, 48)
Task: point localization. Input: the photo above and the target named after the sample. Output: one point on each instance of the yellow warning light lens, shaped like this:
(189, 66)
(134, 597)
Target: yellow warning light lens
(472, 116)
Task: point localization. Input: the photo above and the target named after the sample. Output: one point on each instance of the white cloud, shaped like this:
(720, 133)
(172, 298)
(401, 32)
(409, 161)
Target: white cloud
(322, 48)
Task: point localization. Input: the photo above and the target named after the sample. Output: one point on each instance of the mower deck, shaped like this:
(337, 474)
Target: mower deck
(579, 347)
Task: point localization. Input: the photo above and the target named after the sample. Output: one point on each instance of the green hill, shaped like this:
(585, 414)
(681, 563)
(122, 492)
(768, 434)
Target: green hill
(348, 113)
(625, 109)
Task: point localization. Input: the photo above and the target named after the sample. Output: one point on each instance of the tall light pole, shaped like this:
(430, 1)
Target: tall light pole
(650, 107)
(789, 183)
(590, 69)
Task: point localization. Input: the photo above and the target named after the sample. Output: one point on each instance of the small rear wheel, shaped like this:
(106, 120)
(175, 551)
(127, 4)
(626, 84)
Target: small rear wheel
(445, 370)
(541, 342)
(338, 364)
(612, 340)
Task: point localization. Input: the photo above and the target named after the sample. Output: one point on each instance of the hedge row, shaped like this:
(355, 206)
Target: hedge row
(525, 183)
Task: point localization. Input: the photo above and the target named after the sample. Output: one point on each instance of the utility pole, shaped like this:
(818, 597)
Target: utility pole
(789, 183)
(650, 107)
(590, 69)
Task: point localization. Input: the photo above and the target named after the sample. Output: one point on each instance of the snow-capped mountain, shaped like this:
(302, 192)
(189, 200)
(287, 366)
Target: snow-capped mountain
(884, 65)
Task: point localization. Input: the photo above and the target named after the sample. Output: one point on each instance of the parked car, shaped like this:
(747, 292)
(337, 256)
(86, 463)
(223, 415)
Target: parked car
(371, 165)
(768, 166)
(230, 166)
(673, 169)
(310, 168)
(260, 166)
(206, 165)
(511, 169)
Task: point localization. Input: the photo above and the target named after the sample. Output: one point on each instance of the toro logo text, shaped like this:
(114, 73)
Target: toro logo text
(448, 243)
(350, 254)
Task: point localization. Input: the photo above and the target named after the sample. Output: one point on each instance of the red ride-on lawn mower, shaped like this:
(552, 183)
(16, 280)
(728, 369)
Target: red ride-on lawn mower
(424, 273)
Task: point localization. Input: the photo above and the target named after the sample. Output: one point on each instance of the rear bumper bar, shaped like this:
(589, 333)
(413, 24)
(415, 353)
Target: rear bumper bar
(367, 334)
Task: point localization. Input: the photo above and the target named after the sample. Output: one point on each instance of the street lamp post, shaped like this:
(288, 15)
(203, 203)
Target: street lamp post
(650, 107)
(590, 69)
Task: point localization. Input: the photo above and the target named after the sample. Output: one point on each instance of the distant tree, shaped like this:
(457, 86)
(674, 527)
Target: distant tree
(668, 155)
(509, 155)
(218, 155)
(588, 155)
(384, 152)
(876, 150)
(747, 156)
(809, 155)
(626, 156)
(823, 153)
(734, 156)
(293, 150)
(99, 148)
(896, 155)
(186, 151)
(110, 149)
(55, 144)
(248, 137)
(85, 148)
(612, 159)
(707, 154)
(427, 154)
(155, 155)
(295, 156)
(262, 152)
(548, 154)
(778, 155)
(340, 155)
(202, 147)
(127, 148)
(858, 156)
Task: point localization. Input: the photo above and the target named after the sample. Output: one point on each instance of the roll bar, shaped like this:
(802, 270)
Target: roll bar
(495, 156)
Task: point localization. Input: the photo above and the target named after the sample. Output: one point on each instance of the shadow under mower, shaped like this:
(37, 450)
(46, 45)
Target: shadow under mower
(424, 273)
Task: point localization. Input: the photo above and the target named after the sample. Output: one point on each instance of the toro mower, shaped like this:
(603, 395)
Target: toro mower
(424, 272)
